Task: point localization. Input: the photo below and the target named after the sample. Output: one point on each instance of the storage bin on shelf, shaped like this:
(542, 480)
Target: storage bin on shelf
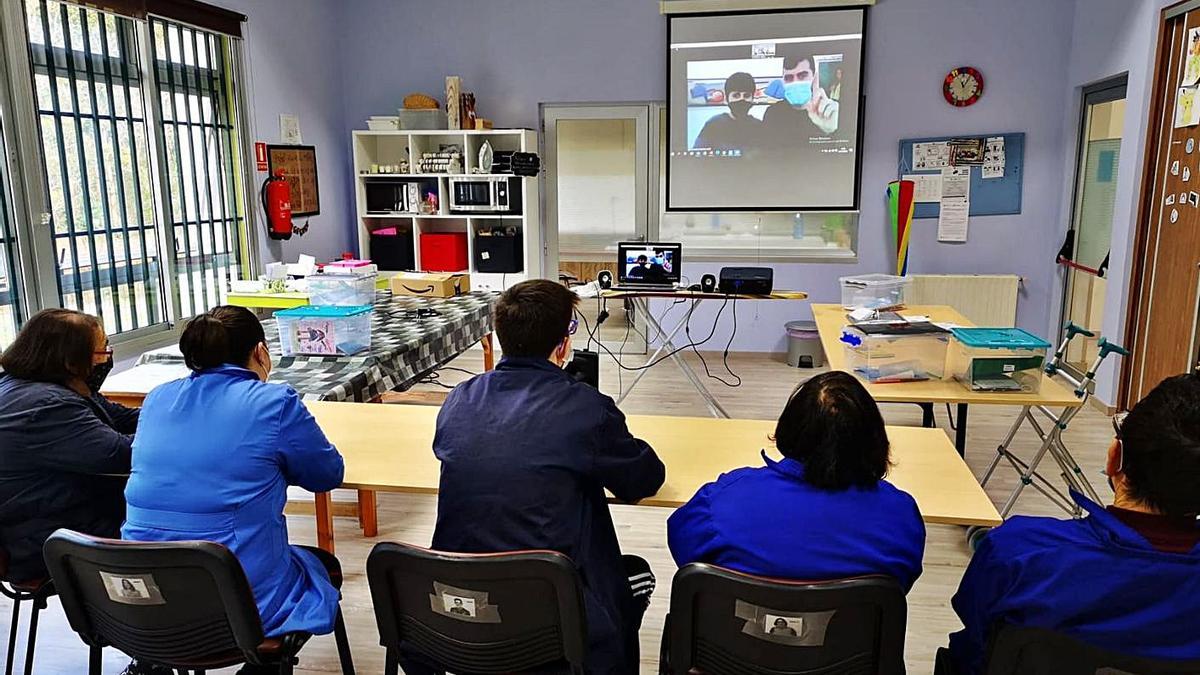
(998, 359)
(321, 330)
(873, 291)
(896, 353)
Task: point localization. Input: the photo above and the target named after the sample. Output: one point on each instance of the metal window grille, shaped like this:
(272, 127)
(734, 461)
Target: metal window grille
(193, 75)
(137, 246)
(10, 298)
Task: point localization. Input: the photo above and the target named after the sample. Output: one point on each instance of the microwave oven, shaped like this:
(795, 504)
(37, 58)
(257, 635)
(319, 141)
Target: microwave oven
(485, 194)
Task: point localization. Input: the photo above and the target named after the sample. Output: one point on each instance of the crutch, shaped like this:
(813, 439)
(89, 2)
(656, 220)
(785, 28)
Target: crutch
(1051, 436)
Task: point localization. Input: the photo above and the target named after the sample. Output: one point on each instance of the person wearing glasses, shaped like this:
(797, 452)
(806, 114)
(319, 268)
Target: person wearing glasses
(527, 453)
(1124, 577)
(213, 459)
(64, 448)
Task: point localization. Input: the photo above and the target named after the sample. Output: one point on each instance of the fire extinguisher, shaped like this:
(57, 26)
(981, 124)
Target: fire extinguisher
(277, 202)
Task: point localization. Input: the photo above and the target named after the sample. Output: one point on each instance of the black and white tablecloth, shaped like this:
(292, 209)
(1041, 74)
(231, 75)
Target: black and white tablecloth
(407, 341)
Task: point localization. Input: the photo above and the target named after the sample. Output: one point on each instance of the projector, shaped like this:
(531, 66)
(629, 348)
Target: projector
(746, 280)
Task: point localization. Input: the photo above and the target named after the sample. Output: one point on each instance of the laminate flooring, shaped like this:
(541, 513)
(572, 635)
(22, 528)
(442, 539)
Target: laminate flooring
(767, 381)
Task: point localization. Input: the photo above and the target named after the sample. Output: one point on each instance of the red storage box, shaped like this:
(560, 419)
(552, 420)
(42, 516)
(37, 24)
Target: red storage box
(444, 252)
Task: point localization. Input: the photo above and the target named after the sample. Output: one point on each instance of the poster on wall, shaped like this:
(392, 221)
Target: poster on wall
(1187, 112)
(1191, 61)
(299, 164)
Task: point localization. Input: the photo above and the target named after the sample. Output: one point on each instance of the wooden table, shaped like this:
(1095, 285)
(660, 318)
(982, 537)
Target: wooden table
(641, 301)
(390, 449)
(831, 319)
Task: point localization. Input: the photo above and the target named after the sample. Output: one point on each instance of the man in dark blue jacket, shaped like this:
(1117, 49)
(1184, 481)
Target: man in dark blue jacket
(527, 453)
(1126, 577)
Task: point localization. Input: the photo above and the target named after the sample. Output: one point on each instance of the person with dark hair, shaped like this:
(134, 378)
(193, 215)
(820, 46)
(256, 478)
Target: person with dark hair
(64, 448)
(1124, 577)
(736, 129)
(214, 456)
(527, 453)
(823, 512)
(803, 110)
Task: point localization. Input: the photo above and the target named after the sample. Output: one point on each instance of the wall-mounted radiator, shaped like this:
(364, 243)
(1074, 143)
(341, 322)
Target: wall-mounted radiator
(985, 299)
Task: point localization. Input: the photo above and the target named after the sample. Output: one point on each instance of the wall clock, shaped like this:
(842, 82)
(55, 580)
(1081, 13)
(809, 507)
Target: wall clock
(963, 87)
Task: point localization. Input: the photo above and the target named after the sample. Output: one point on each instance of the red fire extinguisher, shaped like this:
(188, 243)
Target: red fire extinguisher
(277, 202)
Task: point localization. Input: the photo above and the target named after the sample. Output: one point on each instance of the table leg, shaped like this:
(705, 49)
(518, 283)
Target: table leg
(324, 510)
(714, 406)
(368, 515)
(489, 353)
(927, 420)
(960, 436)
(644, 307)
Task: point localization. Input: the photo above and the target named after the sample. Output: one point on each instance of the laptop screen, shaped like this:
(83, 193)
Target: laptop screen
(642, 263)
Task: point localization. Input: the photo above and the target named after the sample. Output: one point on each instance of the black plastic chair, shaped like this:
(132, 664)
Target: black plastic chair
(1017, 650)
(473, 614)
(724, 622)
(36, 592)
(184, 605)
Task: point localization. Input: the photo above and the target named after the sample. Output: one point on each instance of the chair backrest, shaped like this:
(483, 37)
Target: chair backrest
(489, 613)
(175, 603)
(723, 621)
(1039, 651)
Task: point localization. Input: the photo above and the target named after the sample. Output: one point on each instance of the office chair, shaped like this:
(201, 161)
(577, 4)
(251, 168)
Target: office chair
(184, 605)
(724, 622)
(1014, 650)
(36, 592)
(484, 613)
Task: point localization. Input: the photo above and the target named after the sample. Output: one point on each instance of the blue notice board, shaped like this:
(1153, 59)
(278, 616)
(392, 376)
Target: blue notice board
(991, 197)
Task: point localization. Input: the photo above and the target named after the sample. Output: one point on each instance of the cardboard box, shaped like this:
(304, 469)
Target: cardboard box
(431, 284)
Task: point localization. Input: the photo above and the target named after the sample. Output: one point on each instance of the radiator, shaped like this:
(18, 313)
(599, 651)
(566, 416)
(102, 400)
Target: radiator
(985, 299)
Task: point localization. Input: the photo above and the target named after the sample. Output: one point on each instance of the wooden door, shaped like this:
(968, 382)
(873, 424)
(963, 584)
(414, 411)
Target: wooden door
(1161, 331)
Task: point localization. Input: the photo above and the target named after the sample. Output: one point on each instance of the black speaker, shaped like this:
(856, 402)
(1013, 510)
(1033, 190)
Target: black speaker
(747, 280)
(604, 278)
(585, 367)
(708, 283)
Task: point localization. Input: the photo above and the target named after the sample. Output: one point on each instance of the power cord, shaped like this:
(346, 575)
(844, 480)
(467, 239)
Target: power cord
(655, 362)
(725, 358)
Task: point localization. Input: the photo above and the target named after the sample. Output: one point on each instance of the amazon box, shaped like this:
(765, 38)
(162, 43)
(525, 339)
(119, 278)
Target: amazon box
(431, 284)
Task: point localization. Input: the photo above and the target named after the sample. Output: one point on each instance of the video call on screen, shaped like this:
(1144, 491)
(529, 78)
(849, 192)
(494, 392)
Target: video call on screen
(764, 110)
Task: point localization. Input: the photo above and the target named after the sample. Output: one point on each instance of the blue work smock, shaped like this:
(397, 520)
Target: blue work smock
(527, 453)
(1094, 579)
(769, 521)
(213, 458)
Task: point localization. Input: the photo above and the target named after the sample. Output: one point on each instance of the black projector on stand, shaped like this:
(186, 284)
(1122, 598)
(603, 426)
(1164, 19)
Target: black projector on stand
(746, 280)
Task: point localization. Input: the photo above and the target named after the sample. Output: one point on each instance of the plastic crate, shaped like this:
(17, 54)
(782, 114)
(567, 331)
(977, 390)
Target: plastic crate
(873, 291)
(998, 359)
(316, 330)
(341, 289)
(895, 358)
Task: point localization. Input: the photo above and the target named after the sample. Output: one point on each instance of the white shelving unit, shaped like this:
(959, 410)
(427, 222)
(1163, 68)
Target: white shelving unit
(387, 148)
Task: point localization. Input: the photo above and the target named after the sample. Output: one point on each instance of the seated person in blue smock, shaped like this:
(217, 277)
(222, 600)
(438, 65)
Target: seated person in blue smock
(527, 453)
(1126, 577)
(213, 458)
(64, 448)
(822, 512)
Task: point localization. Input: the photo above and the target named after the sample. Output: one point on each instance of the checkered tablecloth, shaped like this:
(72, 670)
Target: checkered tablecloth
(404, 346)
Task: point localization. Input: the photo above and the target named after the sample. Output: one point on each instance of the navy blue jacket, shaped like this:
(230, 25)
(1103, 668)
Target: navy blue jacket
(527, 453)
(1095, 579)
(768, 521)
(57, 451)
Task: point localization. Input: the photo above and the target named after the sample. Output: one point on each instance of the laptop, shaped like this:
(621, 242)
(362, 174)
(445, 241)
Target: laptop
(645, 266)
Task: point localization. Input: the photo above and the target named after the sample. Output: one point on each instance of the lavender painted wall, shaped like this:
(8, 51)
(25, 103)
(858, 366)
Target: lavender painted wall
(1111, 37)
(296, 66)
(516, 53)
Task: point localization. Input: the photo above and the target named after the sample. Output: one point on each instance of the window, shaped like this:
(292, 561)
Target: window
(203, 166)
(142, 163)
(10, 305)
(806, 235)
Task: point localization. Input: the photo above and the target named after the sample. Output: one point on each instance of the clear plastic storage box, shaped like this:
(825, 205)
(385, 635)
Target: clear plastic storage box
(882, 353)
(341, 289)
(873, 291)
(318, 330)
(998, 359)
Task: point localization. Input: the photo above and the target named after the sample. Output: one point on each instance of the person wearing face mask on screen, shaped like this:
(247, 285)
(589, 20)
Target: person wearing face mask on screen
(736, 129)
(64, 448)
(804, 110)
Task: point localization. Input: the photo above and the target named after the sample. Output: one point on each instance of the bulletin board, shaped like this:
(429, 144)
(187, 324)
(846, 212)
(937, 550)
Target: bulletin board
(989, 197)
(299, 164)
